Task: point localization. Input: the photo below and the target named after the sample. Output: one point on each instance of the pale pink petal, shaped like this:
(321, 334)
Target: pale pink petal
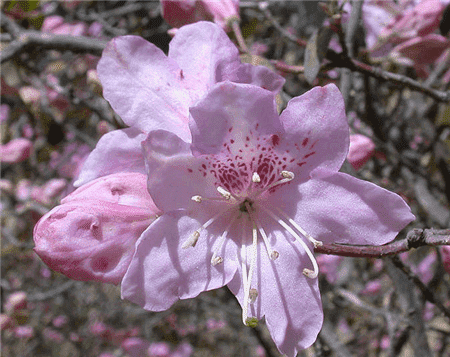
(144, 86)
(116, 151)
(173, 173)
(288, 299)
(342, 209)
(257, 75)
(316, 122)
(162, 272)
(233, 110)
(205, 54)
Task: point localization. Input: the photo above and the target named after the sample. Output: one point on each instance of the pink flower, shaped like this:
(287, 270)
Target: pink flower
(17, 150)
(421, 20)
(244, 201)
(134, 346)
(151, 91)
(91, 236)
(56, 25)
(422, 50)
(360, 151)
(24, 331)
(182, 12)
(16, 301)
(159, 349)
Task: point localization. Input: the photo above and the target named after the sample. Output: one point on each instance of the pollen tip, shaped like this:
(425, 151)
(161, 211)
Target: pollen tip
(256, 178)
(216, 260)
(224, 192)
(274, 255)
(288, 174)
(309, 273)
(192, 240)
(252, 295)
(197, 198)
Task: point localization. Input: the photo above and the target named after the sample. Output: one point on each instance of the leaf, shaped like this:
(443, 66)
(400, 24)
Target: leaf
(316, 49)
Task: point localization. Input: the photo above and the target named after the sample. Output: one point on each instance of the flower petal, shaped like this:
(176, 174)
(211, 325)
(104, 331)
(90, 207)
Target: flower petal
(289, 300)
(109, 157)
(232, 109)
(162, 272)
(205, 54)
(342, 209)
(125, 188)
(174, 175)
(316, 120)
(257, 75)
(144, 86)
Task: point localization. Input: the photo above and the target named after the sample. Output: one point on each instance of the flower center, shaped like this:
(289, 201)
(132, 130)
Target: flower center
(247, 201)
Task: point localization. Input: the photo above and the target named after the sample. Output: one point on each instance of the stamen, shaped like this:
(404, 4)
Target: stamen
(250, 272)
(273, 254)
(224, 193)
(307, 272)
(192, 240)
(253, 294)
(197, 198)
(287, 176)
(316, 243)
(216, 259)
(256, 178)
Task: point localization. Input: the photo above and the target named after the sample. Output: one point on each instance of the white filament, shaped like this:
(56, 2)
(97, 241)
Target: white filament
(307, 272)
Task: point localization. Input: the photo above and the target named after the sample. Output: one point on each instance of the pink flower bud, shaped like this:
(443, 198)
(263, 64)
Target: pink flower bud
(16, 301)
(135, 346)
(17, 150)
(361, 150)
(4, 112)
(24, 332)
(5, 322)
(181, 12)
(445, 251)
(92, 235)
(56, 25)
(432, 45)
(159, 349)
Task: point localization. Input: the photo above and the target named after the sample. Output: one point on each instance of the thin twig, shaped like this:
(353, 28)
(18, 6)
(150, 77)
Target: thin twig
(24, 39)
(414, 239)
(427, 293)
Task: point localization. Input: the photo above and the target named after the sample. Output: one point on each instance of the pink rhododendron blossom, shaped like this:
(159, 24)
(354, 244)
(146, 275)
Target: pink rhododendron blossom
(420, 20)
(17, 150)
(56, 25)
(422, 50)
(245, 203)
(151, 91)
(360, 151)
(91, 235)
(182, 12)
